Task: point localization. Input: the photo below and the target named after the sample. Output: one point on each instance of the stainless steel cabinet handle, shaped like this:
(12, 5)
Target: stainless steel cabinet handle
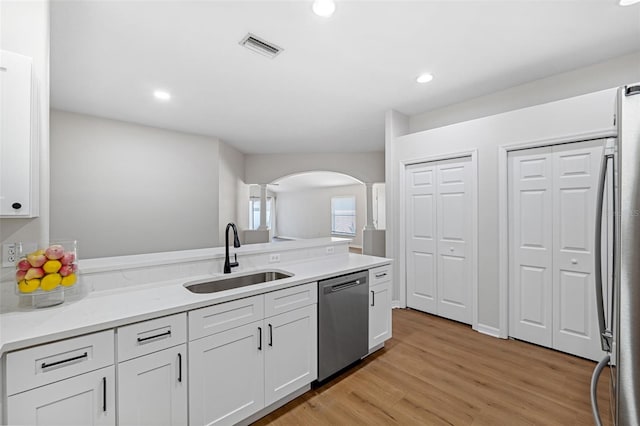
(270, 335)
(259, 338)
(380, 275)
(179, 367)
(104, 394)
(144, 339)
(75, 358)
(373, 298)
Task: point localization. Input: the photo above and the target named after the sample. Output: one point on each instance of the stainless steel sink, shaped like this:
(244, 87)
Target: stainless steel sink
(221, 284)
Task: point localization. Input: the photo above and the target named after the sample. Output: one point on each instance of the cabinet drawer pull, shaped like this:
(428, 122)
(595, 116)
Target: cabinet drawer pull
(373, 298)
(179, 367)
(380, 275)
(270, 335)
(144, 339)
(75, 358)
(104, 394)
(259, 338)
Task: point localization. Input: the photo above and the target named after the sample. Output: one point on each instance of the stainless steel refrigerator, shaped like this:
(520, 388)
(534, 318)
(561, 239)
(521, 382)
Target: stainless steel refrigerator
(618, 264)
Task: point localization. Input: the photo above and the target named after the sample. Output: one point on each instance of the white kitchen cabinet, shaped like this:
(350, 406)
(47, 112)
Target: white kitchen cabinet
(241, 367)
(379, 306)
(152, 389)
(19, 162)
(69, 382)
(291, 352)
(152, 372)
(226, 376)
(87, 399)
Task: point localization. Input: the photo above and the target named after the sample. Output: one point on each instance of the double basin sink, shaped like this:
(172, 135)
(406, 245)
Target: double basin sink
(228, 283)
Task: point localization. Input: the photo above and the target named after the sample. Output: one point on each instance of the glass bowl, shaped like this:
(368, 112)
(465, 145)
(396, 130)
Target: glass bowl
(45, 273)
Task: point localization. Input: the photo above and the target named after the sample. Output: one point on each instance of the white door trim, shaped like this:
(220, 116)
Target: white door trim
(402, 254)
(503, 217)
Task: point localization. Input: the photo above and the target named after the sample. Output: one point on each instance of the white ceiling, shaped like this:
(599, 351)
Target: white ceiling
(310, 180)
(329, 89)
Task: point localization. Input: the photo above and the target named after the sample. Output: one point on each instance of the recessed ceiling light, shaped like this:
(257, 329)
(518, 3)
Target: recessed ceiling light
(324, 8)
(424, 78)
(628, 2)
(162, 95)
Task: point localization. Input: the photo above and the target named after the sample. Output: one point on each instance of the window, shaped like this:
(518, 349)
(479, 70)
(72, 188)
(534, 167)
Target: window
(343, 216)
(254, 212)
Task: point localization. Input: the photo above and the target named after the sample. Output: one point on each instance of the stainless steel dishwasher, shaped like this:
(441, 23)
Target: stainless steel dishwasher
(343, 322)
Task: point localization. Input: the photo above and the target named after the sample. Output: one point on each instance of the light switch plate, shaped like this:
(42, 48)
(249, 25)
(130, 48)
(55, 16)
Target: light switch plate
(9, 255)
(330, 250)
(274, 258)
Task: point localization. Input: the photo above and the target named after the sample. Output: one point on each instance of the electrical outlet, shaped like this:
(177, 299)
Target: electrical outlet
(274, 258)
(9, 252)
(330, 250)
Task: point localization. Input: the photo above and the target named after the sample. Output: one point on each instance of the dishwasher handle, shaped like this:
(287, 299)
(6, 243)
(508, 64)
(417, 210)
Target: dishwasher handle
(343, 286)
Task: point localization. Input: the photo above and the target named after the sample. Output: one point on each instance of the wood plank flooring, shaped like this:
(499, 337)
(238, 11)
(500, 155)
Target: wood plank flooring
(438, 372)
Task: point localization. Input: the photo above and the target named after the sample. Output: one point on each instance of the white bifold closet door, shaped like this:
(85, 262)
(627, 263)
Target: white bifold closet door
(552, 201)
(439, 220)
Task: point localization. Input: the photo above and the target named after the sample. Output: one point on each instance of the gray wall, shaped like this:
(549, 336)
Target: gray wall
(307, 213)
(265, 168)
(121, 188)
(233, 193)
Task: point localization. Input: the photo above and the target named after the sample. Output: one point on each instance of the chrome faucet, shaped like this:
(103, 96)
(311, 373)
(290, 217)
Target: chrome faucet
(236, 243)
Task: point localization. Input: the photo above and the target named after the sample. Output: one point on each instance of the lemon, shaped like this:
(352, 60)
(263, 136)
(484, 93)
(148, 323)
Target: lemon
(28, 286)
(69, 280)
(51, 281)
(52, 266)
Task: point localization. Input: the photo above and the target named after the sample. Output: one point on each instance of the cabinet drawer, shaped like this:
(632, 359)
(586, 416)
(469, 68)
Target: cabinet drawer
(290, 298)
(151, 336)
(41, 365)
(225, 316)
(380, 274)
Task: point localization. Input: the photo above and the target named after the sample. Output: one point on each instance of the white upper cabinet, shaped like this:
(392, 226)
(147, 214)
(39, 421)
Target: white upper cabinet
(19, 163)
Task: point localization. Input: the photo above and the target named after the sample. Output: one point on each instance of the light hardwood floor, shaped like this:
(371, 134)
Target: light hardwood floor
(438, 372)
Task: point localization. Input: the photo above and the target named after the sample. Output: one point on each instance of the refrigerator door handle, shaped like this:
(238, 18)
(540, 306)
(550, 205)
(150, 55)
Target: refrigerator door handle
(605, 335)
(595, 377)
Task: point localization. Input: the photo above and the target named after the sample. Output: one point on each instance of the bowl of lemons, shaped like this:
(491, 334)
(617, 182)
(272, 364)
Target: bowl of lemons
(45, 272)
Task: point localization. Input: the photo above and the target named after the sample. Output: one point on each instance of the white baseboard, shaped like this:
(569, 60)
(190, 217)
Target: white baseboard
(395, 304)
(488, 330)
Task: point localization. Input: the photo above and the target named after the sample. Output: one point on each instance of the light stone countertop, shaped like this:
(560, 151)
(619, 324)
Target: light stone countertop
(101, 310)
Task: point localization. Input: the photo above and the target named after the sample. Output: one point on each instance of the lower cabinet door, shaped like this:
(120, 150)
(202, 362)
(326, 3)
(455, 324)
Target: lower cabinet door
(152, 389)
(87, 399)
(379, 313)
(291, 352)
(226, 379)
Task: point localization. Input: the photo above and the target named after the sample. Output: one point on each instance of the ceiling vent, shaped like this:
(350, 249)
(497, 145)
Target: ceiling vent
(260, 46)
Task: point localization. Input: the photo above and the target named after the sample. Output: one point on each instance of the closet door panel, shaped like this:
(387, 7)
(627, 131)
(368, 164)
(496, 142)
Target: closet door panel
(454, 218)
(531, 245)
(576, 170)
(421, 236)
